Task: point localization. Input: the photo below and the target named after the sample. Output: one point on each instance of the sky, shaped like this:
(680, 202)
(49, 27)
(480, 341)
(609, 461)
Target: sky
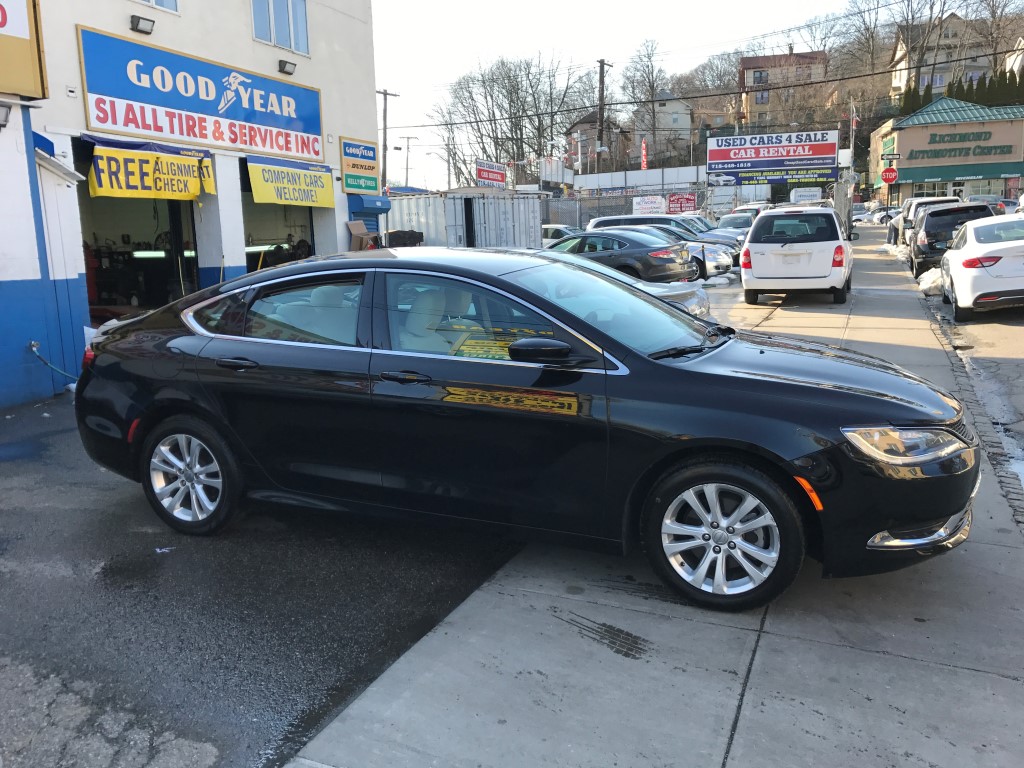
(422, 46)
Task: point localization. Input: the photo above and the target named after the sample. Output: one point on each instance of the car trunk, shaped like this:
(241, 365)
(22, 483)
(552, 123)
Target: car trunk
(1010, 264)
(791, 260)
(939, 228)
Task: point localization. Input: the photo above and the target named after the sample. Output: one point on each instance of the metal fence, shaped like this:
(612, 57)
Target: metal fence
(577, 211)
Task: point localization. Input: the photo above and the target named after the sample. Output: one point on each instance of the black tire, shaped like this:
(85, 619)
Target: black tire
(735, 482)
(217, 506)
(962, 314)
(702, 269)
(839, 294)
(945, 296)
(886, 219)
(750, 297)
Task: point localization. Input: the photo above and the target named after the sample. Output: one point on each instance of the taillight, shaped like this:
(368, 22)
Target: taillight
(1002, 208)
(838, 256)
(662, 255)
(745, 259)
(922, 238)
(87, 358)
(981, 261)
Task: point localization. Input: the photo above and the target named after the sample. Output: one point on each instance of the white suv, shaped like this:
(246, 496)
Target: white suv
(797, 249)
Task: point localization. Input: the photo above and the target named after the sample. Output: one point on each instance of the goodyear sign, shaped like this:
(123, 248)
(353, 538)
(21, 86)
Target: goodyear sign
(290, 183)
(147, 91)
(146, 170)
(359, 166)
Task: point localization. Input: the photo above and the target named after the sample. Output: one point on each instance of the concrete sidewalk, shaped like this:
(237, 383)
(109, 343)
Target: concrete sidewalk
(568, 658)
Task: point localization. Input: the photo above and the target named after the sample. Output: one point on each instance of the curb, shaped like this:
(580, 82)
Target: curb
(991, 433)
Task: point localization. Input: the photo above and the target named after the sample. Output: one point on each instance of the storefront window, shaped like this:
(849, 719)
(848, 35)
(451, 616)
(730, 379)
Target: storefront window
(931, 189)
(139, 252)
(984, 187)
(274, 234)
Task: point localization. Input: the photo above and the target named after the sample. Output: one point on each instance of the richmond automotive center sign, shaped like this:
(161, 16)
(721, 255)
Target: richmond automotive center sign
(776, 158)
(145, 91)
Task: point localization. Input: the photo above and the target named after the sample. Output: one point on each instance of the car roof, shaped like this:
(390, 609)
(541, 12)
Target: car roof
(986, 220)
(780, 211)
(954, 206)
(489, 261)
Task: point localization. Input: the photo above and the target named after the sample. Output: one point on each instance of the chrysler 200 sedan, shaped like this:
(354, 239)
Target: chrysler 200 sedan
(523, 391)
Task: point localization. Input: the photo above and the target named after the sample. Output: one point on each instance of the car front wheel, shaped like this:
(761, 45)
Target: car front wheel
(190, 476)
(723, 534)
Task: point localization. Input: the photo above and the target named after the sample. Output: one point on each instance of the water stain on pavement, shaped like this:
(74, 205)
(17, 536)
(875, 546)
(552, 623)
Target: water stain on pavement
(130, 570)
(630, 586)
(22, 450)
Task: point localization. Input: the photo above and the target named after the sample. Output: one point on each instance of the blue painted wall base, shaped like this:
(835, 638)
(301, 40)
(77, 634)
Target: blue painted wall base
(211, 275)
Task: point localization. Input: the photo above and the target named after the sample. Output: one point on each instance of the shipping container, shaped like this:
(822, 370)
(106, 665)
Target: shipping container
(470, 218)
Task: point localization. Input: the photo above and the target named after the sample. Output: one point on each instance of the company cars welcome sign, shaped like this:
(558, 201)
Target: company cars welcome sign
(146, 91)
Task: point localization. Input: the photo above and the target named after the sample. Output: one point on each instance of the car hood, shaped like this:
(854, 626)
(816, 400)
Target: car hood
(729, 231)
(716, 237)
(864, 387)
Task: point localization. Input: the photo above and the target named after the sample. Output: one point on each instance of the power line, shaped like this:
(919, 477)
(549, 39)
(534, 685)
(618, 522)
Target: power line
(702, 95)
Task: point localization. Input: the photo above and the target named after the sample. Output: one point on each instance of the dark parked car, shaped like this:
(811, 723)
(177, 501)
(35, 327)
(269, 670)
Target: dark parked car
(934, 229)
(734, 224)
(678, 221)
(994, 202)
(523, 391)
(711, 258)
(648, 256)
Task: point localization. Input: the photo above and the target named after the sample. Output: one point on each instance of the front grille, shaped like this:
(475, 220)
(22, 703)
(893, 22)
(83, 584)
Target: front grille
(961, 429)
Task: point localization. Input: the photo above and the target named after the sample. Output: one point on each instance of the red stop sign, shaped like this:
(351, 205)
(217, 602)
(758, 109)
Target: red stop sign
(890, 175)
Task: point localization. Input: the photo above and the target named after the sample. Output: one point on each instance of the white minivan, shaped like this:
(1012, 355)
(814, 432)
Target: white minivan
(797, 249)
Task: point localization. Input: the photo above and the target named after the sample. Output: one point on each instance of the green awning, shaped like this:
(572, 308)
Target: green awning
(966, 172)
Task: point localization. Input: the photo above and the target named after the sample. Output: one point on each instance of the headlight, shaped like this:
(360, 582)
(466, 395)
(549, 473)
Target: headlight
(904, 446)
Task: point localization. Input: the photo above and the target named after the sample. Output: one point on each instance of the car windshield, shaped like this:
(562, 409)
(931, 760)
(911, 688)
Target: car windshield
(1000, 232)
(630, 316)
(795, 227)
(699, 223)
(579, 261)
(736, 220)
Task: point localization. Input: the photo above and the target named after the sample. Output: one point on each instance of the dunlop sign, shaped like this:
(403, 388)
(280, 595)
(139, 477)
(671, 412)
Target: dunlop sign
(149, 171)
(359, 167)
(290, 183)
(146, 91)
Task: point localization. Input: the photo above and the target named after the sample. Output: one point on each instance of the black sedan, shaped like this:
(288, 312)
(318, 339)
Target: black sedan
(638, 254)
(518, 390)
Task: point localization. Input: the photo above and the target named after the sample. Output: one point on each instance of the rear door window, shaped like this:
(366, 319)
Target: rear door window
(947, 221)
(326, 312)
(796, 227)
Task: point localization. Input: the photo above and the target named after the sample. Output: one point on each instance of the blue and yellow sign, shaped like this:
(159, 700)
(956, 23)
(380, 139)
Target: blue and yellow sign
(146, 91)
(147, 170)
(290, 183)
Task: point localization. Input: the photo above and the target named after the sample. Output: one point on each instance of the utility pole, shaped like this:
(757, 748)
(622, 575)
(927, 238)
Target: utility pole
(384, 157)
(407, 139)
(600, 109)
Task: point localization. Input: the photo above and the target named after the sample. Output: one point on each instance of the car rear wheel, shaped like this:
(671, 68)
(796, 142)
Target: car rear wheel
(723, 534)
(190, 476)
(839, 294)
(960, 314)
(750, 297)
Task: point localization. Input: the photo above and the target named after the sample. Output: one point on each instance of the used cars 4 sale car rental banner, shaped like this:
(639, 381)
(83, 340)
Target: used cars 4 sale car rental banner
(776, 158)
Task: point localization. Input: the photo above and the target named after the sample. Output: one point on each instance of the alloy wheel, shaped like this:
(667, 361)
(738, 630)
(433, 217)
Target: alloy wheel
(720, 538)
(186, 477)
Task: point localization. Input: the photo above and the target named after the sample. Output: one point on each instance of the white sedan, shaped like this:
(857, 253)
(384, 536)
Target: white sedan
(721, 180)
(983, 268)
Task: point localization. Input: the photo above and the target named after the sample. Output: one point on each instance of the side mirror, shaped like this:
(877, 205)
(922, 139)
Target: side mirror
(907, 223)
(545, 351)
(855, 236)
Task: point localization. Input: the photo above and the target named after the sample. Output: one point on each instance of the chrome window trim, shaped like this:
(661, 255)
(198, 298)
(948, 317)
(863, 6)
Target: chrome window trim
(191, 323)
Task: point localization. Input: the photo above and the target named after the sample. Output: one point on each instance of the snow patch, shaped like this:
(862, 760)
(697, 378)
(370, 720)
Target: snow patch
(930, 282)
(717, 280)
(901, 252)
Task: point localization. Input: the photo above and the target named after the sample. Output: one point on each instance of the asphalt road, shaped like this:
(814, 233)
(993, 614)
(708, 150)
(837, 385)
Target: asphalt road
(123, 643)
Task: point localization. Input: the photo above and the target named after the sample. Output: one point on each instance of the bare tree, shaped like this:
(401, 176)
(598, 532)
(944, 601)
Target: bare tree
(641, 80)
(996, 22)
(822, 33)
(508, 111)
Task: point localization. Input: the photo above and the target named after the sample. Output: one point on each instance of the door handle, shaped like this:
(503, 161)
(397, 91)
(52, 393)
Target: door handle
(405, 377)
(237, 363)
